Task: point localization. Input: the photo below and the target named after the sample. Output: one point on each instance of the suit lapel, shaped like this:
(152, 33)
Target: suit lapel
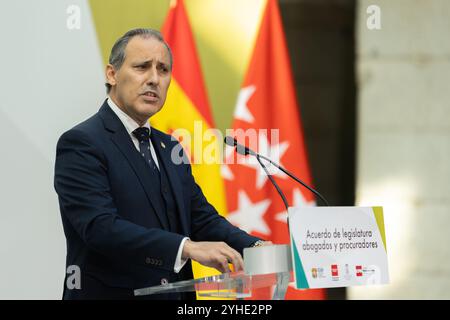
(122, 140)
(164, 155)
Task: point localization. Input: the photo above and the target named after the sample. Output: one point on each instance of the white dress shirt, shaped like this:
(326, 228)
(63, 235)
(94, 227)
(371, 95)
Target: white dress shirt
(130, 126)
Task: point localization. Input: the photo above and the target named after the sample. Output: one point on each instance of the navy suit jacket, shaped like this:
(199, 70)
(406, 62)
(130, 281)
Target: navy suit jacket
(116, 231)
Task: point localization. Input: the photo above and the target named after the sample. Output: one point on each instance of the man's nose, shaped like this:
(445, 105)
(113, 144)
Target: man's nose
(153, 77)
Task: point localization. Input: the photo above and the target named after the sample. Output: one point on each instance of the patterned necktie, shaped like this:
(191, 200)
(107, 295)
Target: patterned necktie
(143, 136)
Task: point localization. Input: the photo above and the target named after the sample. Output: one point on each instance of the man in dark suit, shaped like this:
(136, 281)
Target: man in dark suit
(132, 215)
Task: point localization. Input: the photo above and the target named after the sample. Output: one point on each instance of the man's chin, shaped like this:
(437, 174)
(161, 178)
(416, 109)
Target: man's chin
(149, 109)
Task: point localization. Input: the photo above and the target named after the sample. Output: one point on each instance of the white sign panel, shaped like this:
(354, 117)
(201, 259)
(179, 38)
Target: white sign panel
(338, 246)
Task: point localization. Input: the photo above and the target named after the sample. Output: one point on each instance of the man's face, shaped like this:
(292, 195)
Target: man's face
(140, 86)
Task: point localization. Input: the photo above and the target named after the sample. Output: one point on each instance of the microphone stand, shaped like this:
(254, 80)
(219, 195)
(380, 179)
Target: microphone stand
(294, 177)
(258, 157)
(241, 149)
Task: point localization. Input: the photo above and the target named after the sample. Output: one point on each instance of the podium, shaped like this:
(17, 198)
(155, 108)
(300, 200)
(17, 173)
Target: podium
(266, 266)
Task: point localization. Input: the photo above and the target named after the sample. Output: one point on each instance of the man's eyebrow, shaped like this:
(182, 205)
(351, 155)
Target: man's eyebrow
(147, 62)
(142, 62)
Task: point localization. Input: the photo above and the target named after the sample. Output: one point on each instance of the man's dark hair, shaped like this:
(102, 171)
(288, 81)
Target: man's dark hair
(117, 55)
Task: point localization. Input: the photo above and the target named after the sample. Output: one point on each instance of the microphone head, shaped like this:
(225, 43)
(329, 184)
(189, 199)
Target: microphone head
(241, 149)
(230, 141)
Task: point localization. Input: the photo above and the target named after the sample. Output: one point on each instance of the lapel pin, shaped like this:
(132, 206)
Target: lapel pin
(163, 145)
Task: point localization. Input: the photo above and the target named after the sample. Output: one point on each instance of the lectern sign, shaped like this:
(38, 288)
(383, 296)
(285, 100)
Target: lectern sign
(338, 246)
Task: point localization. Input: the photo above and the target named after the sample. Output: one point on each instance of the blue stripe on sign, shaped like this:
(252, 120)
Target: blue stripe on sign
(300, 276)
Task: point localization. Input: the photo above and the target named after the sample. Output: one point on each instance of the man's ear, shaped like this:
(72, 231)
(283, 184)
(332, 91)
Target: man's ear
(110, 74)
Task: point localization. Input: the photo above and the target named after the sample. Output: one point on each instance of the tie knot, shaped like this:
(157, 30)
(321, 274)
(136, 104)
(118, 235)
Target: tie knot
(142, 134)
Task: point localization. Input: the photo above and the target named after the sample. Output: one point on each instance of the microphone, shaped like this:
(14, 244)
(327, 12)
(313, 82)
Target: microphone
(241, 149)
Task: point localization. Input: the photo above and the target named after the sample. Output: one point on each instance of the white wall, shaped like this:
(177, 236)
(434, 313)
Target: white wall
(51, 78)
(404, 142)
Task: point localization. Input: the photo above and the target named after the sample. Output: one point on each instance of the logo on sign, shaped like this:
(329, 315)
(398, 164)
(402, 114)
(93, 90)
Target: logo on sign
(335, 271)
(359, 272)
(318, 273)
(347, 275)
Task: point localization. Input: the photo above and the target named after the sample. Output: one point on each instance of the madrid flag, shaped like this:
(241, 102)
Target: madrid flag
(267, 112)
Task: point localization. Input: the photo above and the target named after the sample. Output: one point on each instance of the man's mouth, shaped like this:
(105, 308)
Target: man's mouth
(151, 94)
(150, 97)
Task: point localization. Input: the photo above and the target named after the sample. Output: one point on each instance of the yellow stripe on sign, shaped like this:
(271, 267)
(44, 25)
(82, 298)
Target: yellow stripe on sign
(378, 212)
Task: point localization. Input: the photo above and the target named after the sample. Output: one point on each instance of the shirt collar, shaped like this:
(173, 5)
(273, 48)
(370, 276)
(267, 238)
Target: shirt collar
(128, 122)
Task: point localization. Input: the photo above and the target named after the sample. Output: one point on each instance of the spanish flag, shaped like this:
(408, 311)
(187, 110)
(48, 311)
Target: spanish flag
(187, 113)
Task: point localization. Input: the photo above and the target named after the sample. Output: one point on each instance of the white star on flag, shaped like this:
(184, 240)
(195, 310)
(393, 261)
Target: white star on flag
(299, 201)
(226, 172)
(249, 216)
(274, 152)
(241, 111)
